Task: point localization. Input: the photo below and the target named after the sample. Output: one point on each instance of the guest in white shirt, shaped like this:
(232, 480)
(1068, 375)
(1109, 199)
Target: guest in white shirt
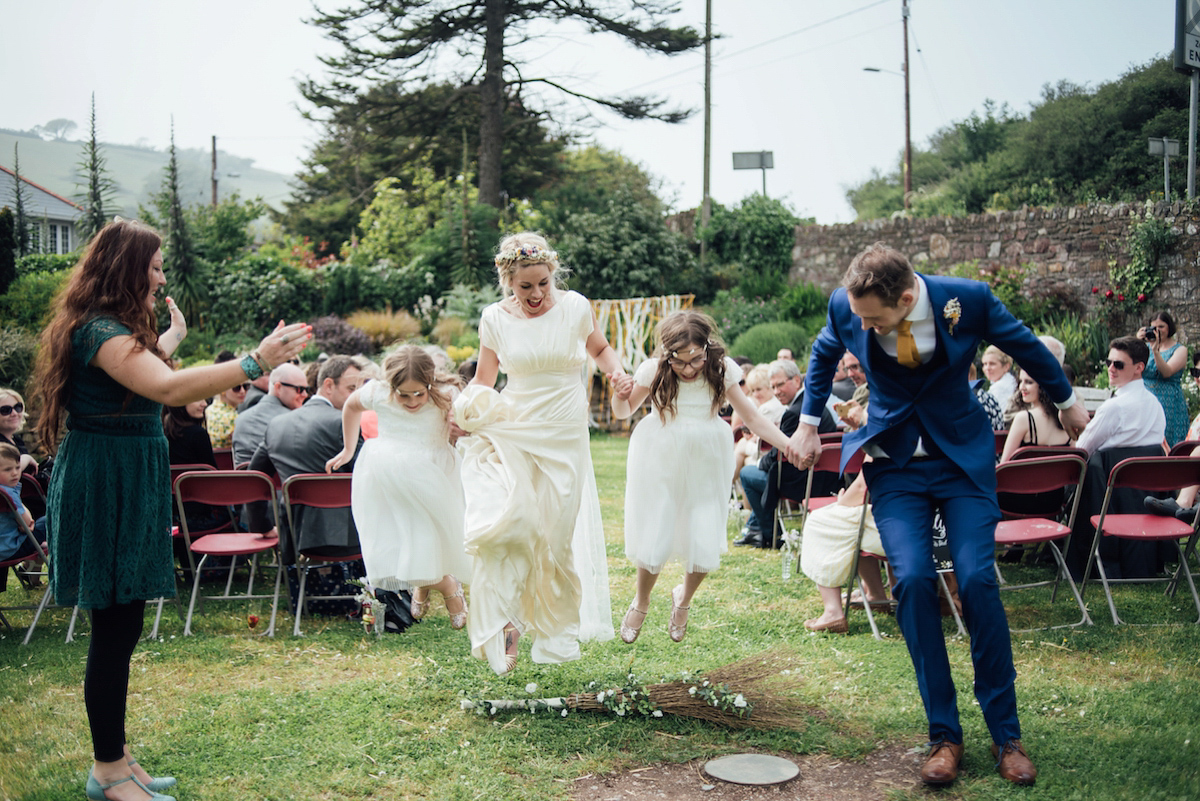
(1131, 418)
(997, 366)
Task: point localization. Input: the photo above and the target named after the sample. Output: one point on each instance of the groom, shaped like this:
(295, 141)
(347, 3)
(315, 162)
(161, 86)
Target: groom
(933, 449)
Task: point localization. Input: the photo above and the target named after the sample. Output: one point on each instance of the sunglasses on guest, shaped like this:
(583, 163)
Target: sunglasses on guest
(301, 390)
(5, 411)
(1117, 364)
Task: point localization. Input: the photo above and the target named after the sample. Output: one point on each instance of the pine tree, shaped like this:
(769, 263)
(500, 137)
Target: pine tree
(20, 202)
(98, 186)
(8, 250)
(189, 286)
(406, 41)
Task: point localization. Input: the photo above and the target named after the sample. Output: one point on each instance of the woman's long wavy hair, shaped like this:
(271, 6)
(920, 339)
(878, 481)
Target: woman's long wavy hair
(680, 330)
(112, 279)
(410, 362)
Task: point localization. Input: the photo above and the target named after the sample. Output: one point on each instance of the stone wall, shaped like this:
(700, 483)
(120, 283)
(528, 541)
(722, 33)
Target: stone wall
(1069, 250)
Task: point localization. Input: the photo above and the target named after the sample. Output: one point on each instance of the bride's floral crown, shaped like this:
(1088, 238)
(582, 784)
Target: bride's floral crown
(527, 253)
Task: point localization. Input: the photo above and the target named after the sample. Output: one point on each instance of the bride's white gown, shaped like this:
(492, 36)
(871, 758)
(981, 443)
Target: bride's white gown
(533, 525)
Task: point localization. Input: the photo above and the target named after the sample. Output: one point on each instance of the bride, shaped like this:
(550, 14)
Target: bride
(533, 525)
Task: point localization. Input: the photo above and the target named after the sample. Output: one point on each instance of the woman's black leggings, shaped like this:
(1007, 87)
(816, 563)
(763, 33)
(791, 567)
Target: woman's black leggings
(115, 633)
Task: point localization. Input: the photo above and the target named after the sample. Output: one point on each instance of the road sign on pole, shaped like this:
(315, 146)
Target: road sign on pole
(761, 160)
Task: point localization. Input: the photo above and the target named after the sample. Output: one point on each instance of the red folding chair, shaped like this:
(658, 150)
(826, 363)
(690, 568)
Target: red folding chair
(1184, 447)
(223, 458)
(9, 507)
(1148, 474)
(789, 519)
(228, 488)
(322, 491)
(1038, 451)
(1024, 477)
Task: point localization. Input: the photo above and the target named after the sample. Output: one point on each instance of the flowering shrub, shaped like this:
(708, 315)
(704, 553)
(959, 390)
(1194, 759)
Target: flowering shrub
(334, 335)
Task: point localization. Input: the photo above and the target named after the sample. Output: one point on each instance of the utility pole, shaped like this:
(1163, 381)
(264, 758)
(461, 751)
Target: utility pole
(907, 118)
(214, 171)
(706, 205)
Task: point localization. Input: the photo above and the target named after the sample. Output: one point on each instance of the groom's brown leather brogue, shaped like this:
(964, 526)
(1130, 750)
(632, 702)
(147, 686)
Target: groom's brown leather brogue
(1013, 763)
(941, 766)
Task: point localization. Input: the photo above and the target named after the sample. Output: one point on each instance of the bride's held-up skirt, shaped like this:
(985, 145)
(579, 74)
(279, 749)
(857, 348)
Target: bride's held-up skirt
(533, 525)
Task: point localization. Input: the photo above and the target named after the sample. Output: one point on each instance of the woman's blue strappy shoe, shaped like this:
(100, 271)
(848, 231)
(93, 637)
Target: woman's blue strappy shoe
(95, 790)
(157, 783)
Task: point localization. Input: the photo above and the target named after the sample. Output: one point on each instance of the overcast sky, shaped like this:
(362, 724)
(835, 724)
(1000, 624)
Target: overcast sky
(787, 77)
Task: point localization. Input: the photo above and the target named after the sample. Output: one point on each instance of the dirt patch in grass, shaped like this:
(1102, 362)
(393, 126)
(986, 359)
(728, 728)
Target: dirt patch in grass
(821, 777)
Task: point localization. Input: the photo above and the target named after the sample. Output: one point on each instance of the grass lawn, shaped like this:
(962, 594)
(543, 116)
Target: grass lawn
(1108, 713)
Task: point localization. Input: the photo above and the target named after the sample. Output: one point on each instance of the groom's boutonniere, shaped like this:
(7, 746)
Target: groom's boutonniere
(952, 312)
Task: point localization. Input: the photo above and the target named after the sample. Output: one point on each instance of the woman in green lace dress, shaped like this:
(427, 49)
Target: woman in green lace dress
(104, 368)
(1164, 373)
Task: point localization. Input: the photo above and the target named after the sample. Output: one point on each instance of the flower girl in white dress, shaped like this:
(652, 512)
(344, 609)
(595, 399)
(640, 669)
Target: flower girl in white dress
(407, 495)
(680, 462)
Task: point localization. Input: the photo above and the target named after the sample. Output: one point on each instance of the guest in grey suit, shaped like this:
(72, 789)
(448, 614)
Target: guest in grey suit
(302, 441)
(288, 390)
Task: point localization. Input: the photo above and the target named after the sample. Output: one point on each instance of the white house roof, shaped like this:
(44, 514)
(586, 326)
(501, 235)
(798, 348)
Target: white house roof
(39, 201)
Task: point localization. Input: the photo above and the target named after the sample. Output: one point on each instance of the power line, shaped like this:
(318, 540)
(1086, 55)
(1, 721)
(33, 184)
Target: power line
(763, 44)
(928, 75)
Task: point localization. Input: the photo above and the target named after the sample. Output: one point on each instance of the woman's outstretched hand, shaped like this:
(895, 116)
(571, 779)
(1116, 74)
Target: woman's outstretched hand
(285, 342)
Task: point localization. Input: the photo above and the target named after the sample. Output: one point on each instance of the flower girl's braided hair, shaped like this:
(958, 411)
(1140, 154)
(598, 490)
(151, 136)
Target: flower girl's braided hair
(409, 362)
(521, 249)
(677, 332)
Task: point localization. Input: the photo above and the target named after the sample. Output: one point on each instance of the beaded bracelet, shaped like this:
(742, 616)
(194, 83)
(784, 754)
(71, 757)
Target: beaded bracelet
(250, 367)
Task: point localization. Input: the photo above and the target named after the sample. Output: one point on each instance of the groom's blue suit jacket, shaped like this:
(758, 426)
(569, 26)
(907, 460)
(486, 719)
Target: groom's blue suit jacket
(945, 407)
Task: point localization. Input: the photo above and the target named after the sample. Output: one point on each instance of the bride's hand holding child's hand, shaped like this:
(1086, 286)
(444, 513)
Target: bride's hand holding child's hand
(622, 385)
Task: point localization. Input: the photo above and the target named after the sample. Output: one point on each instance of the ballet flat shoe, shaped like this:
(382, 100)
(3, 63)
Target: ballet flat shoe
(94, 790)
(629, 633)
(677, 631)
(838, 626)
(457, 619)
(157, 783)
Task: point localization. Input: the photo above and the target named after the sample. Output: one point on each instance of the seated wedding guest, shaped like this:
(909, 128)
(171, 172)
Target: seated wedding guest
(302, 441)
(1037, 420)
(188, 443)
(287, 390)
(1164, 373)
(830, 540)
(763, 485)
(849, 377)
(12, 420)
(986, 400)
(747, 448)
(785, 353)
(258, 390)
(221, 414)
(997, 368)
(13, 542)
(1183, 506)
(1130, 423)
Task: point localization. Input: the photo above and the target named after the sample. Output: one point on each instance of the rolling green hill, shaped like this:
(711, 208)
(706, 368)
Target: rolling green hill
(138, 172)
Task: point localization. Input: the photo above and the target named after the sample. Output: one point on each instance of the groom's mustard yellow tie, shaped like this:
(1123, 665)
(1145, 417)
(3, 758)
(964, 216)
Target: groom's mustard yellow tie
(906, 346)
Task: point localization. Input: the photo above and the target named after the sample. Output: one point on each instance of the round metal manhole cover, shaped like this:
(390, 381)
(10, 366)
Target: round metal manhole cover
(752, 769)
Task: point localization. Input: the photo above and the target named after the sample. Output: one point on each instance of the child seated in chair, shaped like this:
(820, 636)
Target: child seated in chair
(13, 542)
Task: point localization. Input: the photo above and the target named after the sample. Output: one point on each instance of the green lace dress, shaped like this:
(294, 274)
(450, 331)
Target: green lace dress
(109, 504)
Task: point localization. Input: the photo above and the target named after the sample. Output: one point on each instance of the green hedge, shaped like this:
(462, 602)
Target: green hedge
(762, 342)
